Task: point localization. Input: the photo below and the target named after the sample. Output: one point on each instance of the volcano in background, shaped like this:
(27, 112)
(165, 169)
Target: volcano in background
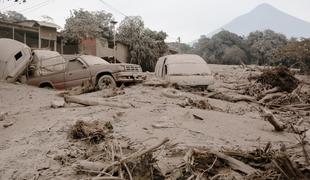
(265, 17)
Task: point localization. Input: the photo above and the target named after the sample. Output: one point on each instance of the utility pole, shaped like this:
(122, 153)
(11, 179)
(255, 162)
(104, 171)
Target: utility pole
(179, 45)
(114, 39)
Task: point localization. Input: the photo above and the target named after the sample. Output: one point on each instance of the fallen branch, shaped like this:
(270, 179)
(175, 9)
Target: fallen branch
(6, 125)
(233, 99)
(76, 100)
(268, 116)
(71, 99)
(270, 97)
(295, 107)
(270, 91)
(236, 164)
(288, 168)
(232, 162)
(135, 155)
(107, 178)
(86, 166)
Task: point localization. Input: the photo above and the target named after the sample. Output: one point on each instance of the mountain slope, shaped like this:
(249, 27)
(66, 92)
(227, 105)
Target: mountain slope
(265, 17)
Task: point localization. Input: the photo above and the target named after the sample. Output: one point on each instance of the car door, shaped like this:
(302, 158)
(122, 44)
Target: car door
(77, 73)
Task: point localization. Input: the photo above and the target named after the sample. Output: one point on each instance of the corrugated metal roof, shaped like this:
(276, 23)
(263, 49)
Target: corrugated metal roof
(40, 23)
(48, 24)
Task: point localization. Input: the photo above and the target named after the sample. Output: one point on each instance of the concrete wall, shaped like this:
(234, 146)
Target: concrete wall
(99, 47)
(122, 52)
(88, 46)
(104, 51)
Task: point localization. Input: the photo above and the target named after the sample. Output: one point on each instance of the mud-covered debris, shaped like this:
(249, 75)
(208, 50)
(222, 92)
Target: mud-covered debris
(144, 167)
(261, 163)
(86, 87)
(3, 115)
(94, 132)
(6, 125)
(156, 83)
(106, 93)
(200, 104)
(280, 77)
(58, 104)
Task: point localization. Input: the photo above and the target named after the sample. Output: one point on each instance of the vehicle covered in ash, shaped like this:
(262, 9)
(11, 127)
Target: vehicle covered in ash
(184, 70)
(45, 68)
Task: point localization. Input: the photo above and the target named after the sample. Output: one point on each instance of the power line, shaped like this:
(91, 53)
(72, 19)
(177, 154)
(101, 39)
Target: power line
(113, 8)
(8, 7)
(36, 6)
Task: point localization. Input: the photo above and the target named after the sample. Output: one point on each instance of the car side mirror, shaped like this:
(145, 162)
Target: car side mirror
(84, 66)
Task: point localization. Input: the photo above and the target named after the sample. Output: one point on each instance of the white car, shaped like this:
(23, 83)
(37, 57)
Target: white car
(184, 69)
(14, 59)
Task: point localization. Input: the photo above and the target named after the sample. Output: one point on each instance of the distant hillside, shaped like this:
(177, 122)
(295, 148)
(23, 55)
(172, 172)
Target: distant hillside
(265, 17)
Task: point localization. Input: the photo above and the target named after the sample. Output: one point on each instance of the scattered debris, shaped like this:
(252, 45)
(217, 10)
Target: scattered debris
(6, 125)
(93, 132)
(72, 99)
(163, 125)
(237, 164)
(84, 102)
(172, 93)
(2, 115)
(58, 104)
(268, 116)
(86, 87)
(155, 82)
(198, 117)
(231, 98)
(200, 104)
(106, 93)
(279, 77)
(112, 163)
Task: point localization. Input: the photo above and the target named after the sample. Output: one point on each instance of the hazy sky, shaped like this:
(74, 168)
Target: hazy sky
(185, 18)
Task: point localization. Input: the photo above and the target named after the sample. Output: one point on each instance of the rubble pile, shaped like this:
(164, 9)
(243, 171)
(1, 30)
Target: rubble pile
(101, 155)
(280, 77)
(258, 164)
(94, 132)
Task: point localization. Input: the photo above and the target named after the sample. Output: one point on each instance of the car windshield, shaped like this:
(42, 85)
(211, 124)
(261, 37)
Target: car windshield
(188, 69)
(94, 60)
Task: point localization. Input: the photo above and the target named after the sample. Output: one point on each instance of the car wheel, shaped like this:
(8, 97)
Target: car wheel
(106, 82)
(46, 86)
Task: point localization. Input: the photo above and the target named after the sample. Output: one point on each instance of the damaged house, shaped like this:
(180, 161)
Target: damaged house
(101, 47)
(35, 34)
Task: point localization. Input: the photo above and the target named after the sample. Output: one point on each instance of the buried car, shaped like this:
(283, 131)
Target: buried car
(50, 69)
(184, 70)
(14, 59)
(46, 68)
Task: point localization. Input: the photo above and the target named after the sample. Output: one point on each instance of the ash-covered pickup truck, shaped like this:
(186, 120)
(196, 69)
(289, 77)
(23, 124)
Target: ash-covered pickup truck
(45, 68)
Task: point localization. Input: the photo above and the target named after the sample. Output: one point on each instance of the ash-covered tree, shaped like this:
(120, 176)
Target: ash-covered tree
(213, 50)
(234, 55)
(201, 47)
(12, 16)
(295, 53)
(180, 47)
(263, 45)
(145, 45)
(85, 24)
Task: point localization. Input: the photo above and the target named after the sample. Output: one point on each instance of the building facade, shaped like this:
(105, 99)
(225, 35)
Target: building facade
(36, 34)
(105, 49)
